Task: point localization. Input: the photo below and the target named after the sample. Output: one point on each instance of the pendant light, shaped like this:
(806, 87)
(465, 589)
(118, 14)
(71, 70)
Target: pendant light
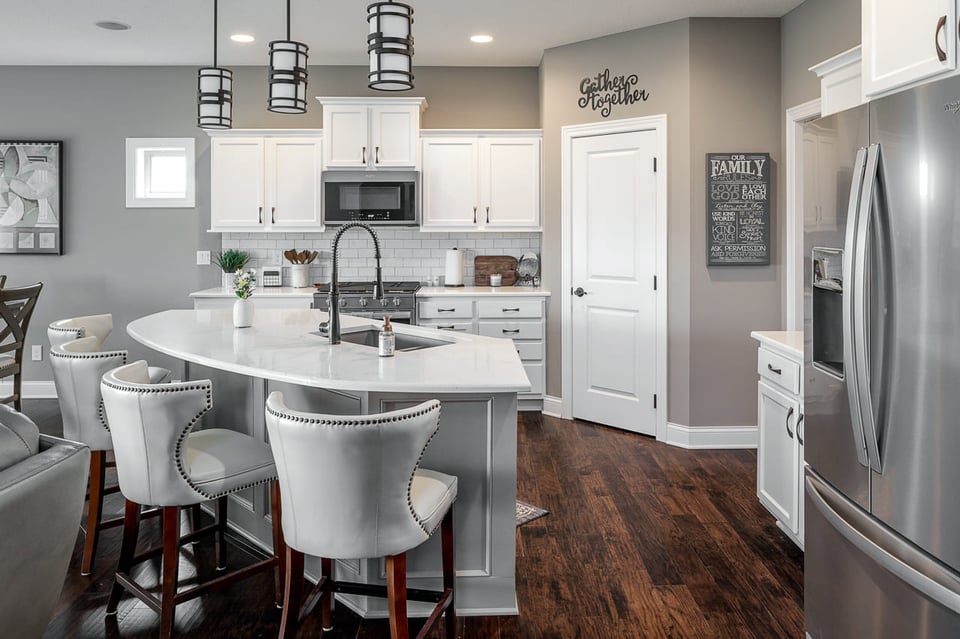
(390, 45)
(288, 74)
(215, 91)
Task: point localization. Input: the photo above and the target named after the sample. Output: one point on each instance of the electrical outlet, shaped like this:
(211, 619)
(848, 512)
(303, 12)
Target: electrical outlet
(203, 258)
(36, 352)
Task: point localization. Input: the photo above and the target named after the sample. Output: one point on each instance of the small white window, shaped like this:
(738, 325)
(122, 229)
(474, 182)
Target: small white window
(161, 173)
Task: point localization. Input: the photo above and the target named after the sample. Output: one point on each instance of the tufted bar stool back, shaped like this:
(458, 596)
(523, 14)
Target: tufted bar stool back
(353, 488)
(65, 330)
(162, 461)
(77, 366)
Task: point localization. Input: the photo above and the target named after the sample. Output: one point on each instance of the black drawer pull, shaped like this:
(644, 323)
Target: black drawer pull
(447, 328)
(514, 331)
(510, 310)
(778, 371)
(446, 310)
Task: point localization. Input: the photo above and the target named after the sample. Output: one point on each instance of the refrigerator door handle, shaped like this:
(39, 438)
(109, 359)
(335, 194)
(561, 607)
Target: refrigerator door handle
(849, 291)
(861, 305)
(884, 547)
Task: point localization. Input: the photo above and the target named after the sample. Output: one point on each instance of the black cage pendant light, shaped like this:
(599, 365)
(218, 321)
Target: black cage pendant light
(288, 74)
(215, 91)
(390, 45)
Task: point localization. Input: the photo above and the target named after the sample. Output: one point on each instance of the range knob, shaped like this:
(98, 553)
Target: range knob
(396, 301)
(384, 302)
(343, 303)
(363, 301)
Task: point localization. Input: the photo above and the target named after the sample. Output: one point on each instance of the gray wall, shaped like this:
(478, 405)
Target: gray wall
(133, 262)
(734, 86)
(660, 56)
(811, 33)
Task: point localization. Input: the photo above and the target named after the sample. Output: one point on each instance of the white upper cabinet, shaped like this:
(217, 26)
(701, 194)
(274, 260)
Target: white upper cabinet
(263, 181)
(371, 133)
(904, 42)
(483, 182)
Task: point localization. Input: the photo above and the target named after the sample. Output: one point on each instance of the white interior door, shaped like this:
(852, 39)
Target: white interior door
(614, 261)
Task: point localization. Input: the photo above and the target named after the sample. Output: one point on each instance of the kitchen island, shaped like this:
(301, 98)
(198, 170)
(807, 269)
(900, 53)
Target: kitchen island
(476, 379)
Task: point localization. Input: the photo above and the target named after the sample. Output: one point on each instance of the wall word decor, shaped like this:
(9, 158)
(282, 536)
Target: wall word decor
(602, 91)
(31, 197)
(738, 209)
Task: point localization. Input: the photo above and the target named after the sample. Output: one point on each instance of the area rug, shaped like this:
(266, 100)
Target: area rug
(527, 513)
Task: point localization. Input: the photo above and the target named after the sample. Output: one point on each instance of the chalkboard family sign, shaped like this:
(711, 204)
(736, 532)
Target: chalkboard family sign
(738, 209)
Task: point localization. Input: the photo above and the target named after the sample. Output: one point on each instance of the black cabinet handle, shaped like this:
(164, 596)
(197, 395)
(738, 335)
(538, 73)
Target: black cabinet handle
(474, 215)
(376, 157)
(446, 310)
(787, 422)
(364, 151)
(510, 310)
(273, 215)
(775, 370)
(488, 215)
(447, 328)
(941, 54)
(798, 428)
(514, 331)
(260, 214)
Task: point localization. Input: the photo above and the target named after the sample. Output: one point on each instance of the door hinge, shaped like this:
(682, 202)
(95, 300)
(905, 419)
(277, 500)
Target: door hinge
(654, 164)
(654, 282)
(654, 400)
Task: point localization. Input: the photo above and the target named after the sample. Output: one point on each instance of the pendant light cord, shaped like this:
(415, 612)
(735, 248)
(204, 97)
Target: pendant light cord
(215, 32)
(288, 20)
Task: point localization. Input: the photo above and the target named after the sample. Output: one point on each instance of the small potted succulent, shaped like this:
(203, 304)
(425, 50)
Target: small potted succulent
(230, 262)
(243, 308)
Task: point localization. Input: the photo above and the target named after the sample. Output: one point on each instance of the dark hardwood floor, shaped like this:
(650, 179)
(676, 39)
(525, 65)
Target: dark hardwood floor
(643, 540)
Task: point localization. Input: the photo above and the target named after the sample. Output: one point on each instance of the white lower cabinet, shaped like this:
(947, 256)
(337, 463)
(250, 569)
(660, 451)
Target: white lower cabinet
(780, 444)
(510, 316)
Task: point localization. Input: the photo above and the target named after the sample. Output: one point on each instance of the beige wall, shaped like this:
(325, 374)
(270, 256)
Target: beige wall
(660, 56)
(734, 95)
(811, 33)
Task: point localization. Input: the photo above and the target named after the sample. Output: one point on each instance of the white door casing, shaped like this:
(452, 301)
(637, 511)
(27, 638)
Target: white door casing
(614, 240)
(795, 119)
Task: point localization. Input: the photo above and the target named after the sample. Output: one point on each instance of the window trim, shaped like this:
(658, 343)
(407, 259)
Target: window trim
(137, 148)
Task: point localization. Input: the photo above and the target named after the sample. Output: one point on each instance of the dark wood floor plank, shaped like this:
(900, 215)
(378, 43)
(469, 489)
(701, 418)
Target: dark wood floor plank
(643, 540)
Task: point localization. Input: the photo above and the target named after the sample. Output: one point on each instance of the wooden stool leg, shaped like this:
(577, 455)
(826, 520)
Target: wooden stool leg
(449, 575)
(221, 542)
(128, 547)
(171, 564)
(195, 514)
(94, 509)
(292, 593)
(326, 600)
(279, 547)
(397, 596)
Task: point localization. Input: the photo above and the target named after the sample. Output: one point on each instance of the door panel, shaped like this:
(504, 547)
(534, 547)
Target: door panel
(450, 195)
(918, 410)
(510, 180)
(829, 436)
(395, 130)
(293, 181)
(236, 189)
(614, 261)
(778, 474)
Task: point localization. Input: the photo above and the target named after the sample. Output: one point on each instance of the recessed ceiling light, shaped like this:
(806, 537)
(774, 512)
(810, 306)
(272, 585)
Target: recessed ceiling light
(242, 37)
(481, 38)
(112, 26)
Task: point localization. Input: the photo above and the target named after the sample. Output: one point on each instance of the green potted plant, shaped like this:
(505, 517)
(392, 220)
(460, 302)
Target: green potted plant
(231, 261)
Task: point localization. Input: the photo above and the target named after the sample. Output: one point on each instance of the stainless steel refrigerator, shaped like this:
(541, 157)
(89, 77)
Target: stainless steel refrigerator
(882, 368)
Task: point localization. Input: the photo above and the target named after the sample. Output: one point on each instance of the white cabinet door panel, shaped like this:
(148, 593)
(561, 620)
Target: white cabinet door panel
(395, 134)
(510, 182)
(345, 136)
(778, 470)
(236, 182)
(293, 181)
(449, 182)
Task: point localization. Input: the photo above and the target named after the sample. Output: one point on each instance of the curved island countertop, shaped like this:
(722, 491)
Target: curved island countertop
(282, 346)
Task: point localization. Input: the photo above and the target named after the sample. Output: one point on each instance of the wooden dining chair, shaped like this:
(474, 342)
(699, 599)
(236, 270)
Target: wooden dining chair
(16, 308)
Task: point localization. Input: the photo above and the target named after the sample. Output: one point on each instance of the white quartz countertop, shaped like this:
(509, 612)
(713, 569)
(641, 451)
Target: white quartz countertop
(260, 291)
(789, 341)
(453, 291)
(426, 291)
(279, 346)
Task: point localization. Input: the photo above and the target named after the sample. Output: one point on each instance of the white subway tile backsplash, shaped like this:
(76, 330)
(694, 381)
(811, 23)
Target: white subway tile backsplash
(406, 253)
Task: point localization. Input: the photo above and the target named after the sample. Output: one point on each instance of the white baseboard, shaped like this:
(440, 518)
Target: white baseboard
(552, 406)
(711, 436)
(31, 390)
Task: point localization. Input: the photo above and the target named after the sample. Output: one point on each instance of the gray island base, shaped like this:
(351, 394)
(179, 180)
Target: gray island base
(477, 440)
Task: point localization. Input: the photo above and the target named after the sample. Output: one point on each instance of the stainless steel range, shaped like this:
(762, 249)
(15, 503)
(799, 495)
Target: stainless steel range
(358, 299)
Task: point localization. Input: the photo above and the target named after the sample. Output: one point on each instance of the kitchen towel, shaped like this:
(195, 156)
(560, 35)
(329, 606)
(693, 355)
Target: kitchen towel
(453, 274)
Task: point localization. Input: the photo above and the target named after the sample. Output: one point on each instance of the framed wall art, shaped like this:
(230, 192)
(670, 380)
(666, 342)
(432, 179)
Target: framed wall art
(31, 197)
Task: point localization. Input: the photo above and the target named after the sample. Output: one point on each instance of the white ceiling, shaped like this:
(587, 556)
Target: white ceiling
(179, 32)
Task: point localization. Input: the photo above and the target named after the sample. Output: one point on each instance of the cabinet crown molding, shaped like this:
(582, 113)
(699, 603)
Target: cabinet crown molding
(837, 62)
(520, 133)
(421, 102)
(238, 133)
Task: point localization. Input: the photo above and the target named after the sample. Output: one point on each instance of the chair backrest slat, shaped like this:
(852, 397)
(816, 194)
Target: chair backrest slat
(16, 309)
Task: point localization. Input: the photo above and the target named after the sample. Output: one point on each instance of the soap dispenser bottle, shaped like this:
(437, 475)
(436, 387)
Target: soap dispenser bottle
(388, 341)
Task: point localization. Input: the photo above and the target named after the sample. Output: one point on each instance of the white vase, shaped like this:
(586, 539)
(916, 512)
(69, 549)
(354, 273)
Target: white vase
(299, 275)
(229, 281)
(243, 313)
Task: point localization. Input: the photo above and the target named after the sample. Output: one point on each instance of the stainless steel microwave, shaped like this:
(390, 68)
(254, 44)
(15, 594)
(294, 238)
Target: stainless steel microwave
(385, 199)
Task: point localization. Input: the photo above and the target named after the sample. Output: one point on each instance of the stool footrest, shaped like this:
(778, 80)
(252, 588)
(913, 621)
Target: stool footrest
(373, 590)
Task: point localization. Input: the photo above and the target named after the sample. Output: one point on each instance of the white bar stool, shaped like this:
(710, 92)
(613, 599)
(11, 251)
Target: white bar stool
(352, 488)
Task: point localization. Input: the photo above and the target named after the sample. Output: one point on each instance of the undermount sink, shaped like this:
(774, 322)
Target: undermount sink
(371, 337)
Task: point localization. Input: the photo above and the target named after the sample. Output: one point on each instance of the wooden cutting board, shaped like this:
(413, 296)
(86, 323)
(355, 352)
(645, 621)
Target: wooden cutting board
(486, 265)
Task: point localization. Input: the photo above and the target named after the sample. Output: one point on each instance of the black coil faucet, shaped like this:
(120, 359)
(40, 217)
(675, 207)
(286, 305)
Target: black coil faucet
(332, 326)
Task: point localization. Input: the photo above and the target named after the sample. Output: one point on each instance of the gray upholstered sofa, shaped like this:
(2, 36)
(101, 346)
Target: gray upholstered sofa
(42, 484)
